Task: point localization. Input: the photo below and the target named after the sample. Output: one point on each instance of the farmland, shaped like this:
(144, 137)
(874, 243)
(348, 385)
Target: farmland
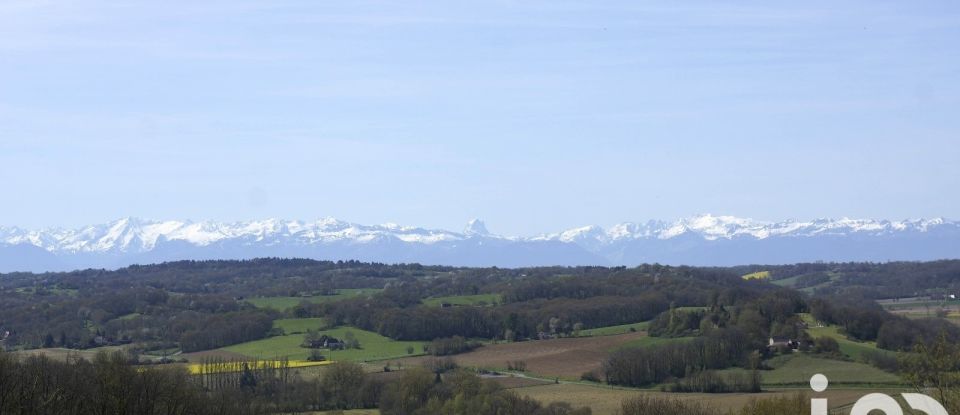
(924, 308)
(566, 358)
(621, 329)
(372, 345)
(648, 341)
(605, 400)
(240, 365)
(61, 354)
(759, 275)
(851, 348)
(795, 370)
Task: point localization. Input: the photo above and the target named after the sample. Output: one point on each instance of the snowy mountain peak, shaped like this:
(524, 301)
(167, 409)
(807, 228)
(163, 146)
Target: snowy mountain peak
(476, 227)
(131, 239)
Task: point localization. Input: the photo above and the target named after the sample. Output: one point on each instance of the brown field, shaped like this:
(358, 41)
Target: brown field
(62, 354)
(605, 401)
(566, 358)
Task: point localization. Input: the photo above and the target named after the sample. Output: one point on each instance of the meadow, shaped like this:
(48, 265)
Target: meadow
(621, 329)
(61, 354)
(794, 371)
(648, 341)
(373, 346)
(606, 400)
(916, 308)
(851, 348)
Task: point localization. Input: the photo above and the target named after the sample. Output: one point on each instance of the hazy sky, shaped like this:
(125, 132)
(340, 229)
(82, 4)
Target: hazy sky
(533, 115)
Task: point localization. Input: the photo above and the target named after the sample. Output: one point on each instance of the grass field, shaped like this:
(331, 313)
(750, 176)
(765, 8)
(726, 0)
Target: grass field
(57, 353)
(852, 348)
(283, 303)
(917, 303)
(372, 345)
(795, 370)
(605, 401)
(647, 341)
(609, 330)
(468, 300)
(923, 308)
(792, 282)
(760, 275)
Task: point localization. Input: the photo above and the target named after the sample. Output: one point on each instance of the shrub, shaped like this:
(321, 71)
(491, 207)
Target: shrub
(518, 365)
(590, 376)
(316, 356)
(826, 345)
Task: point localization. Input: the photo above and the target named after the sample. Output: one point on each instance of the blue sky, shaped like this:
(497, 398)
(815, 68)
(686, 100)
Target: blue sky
(532, 115)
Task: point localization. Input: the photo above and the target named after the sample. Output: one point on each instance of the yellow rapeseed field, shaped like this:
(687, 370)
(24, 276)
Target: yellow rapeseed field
(228, 367)
(761, 275)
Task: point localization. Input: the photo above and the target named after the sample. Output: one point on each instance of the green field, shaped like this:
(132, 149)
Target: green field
(57, 353)
(468, 300)
(797, 368)
(786, 282)
(648, 341)
(852, 348)
(792, 282)
(284, 303)
(610, 330)
(372, 345)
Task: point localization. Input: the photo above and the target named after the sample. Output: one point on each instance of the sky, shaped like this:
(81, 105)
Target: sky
(533, 115)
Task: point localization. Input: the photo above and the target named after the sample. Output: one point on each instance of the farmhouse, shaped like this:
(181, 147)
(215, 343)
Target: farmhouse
(323, 342)
(783, 342)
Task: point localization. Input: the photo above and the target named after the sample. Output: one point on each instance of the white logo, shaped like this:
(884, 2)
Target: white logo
(875, 402)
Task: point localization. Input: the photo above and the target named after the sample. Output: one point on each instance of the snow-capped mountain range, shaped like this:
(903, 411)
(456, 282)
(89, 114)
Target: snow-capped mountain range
(699, 240)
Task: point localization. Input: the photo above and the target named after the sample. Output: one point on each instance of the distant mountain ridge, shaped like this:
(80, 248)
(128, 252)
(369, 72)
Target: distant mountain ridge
(698, 240)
